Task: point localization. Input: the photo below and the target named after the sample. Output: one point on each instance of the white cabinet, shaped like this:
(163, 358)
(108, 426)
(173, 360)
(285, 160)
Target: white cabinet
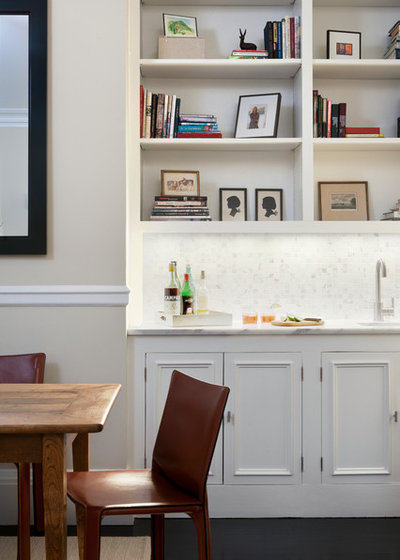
(263, 429)
(360, 433)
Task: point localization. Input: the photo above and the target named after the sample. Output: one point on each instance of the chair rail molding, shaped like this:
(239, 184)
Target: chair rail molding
(58, 295)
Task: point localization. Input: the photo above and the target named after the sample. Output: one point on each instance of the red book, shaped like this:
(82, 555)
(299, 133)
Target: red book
(342, 120)
(329, 119)
(363, 130)
(199, 135)
(292, 38)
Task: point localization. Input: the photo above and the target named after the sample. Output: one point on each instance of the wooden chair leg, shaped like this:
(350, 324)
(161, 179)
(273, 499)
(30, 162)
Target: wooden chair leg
(92, 534)
(38, 509)
(202, 523)
(24, 485)
(157, 537)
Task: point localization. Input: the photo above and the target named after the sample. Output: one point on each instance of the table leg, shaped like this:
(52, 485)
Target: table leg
(55, 495)
(80, 453)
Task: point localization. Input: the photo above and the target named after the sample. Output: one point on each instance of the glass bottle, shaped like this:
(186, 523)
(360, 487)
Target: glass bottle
(187, 296)
(179, 286)
(172, 293)
(202, 295)
(193, 287)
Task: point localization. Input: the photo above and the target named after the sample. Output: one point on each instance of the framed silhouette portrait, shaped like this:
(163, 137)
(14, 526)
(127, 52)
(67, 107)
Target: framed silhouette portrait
(233, 205)
(268, 205)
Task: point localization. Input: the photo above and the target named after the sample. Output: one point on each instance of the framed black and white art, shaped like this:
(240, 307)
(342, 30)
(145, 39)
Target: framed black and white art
(233, 205)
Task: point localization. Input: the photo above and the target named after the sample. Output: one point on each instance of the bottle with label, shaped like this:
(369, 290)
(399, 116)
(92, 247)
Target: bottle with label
(193, 288)
(179, 286)
(172, 296)
(187, 296)
(202, 295)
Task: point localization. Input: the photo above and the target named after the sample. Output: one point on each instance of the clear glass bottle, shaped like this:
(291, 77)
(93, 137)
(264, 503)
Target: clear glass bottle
(187, 296)
(202, 295)
(193, 288)
(172, 295)
(179, 286)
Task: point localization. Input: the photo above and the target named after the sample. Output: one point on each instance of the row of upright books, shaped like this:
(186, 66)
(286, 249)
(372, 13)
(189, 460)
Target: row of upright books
(160, 117)
(282, 39)
(180, 208)
(329, 119)
(393, 48)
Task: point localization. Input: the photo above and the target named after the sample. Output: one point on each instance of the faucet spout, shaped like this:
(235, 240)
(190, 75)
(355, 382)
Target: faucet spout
(381, 272)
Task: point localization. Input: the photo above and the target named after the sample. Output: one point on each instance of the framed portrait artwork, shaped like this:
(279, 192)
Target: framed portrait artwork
(179, 26)
(258, 115)
(268, 205)
(180, 183)
(343, 45)
(343, 200)
(233, 205)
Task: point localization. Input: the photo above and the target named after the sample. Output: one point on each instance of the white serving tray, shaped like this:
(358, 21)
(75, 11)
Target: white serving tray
(213, 318)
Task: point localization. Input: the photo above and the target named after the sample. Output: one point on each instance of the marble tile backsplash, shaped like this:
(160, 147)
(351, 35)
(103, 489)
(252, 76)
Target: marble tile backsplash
(329, 276)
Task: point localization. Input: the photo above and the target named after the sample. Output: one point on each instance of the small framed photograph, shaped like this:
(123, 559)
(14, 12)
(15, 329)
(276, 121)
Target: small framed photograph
(268, 205)
(233, 205)
(258, 115)
(179, 26)
(180, 183)
(343, 200)
(343, 45)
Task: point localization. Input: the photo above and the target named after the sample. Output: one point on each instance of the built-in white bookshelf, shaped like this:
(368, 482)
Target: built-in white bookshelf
(294, 161)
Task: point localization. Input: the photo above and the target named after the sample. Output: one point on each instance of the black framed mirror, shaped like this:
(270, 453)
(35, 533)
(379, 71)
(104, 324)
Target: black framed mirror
(23, 110)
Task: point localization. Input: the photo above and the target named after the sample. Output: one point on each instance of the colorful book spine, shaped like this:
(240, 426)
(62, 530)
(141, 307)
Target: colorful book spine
(148, 114)
(342, 119)
(363, 130)
(335, 120)
(141, 93)
(329, 118)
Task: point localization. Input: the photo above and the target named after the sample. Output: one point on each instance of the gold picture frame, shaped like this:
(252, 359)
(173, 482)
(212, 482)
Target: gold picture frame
(180, 183)
(343, 200)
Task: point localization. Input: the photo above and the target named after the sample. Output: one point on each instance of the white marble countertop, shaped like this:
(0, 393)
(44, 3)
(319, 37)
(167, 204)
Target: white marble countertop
(328, 328)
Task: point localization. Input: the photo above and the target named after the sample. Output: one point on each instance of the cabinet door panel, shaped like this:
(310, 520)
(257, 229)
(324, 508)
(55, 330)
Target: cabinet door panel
(263, 434)
(358, 394)
(204, 366)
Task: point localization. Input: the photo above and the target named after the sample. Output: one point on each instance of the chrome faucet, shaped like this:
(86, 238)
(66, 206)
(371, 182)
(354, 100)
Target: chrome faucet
(379, 310)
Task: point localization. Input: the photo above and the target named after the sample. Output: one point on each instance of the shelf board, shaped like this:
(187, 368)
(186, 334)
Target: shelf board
(378, 69)
(284, 227)
(358, 3)
(221, 144)
(217, 2)
(215, 68)
(357, 144)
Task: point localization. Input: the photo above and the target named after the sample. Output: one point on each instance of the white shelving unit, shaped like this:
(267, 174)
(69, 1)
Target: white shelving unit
(294, 161)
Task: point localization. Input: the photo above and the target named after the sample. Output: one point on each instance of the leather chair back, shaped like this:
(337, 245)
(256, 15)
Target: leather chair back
(22, 368)
(188, 432)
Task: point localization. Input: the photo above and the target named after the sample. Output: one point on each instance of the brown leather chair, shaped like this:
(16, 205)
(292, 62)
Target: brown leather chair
(26, 368)
(177, 479)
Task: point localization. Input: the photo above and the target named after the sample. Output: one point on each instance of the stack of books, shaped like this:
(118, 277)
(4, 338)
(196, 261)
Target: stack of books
(198, 126)
(393, 214)
(393, 49)
(329, 119)
(248, 54)
(363, 132)
(185, 208)
(282, 39)
(159, 114)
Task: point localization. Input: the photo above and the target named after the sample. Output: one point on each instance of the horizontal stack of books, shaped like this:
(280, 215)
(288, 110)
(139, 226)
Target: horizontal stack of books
(185, 208)
(198, 126)
(282, 39)
(159, 114)
(329, 119)
(393, 49)
(363, 132)
(248, 54)
(393, 214)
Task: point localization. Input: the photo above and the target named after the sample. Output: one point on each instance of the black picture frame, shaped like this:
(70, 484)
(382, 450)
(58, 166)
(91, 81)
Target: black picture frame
(267, 108)
(353, 38)
(36, 240)
(268, 205)
(236, 214)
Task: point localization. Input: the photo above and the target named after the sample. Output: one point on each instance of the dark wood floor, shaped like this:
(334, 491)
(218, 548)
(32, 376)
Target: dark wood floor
(285, 539)
(274, 539)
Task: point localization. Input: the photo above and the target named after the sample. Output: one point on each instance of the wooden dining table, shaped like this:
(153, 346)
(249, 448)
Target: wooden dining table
(37, 422)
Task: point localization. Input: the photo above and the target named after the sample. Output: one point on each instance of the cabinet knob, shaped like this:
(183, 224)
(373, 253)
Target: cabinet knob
(395, 416)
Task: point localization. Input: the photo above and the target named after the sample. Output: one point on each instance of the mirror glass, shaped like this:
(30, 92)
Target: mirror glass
(23, 87)
(14, 72)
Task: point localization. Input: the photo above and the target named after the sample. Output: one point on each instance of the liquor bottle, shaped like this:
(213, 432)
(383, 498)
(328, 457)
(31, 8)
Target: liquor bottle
(179, 286)
(193, 288)
(202, 295)
(187, 297)
(172, 293)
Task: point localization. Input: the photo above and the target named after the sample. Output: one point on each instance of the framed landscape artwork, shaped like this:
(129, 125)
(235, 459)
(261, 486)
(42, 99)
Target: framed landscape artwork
(179, 26)
(180, 183)
(343, 200)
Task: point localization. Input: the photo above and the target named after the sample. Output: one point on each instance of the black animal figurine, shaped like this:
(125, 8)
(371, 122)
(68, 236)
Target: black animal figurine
(246, 46)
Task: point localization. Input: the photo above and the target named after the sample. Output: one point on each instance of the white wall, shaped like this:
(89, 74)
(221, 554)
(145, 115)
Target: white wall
(86, 218)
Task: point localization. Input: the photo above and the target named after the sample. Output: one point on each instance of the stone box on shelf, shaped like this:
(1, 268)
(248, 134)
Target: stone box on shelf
(181, 47)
